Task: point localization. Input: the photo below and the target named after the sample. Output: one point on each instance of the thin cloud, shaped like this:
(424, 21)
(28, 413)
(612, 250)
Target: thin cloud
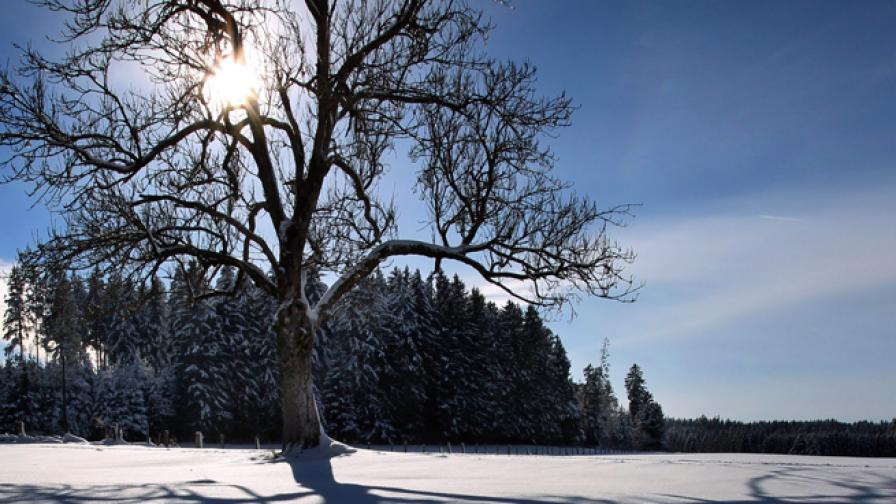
(781, 218)
(707, 272)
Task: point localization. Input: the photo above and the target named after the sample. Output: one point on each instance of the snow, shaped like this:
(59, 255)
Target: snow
(336, 473)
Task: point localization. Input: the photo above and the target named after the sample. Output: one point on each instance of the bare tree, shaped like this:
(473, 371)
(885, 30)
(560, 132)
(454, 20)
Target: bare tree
(147, 165)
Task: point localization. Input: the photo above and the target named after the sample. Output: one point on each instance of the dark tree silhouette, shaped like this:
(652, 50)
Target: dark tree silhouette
(148, 168)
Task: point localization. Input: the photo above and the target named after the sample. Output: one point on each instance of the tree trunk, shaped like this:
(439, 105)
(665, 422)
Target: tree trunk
(64, 394)
(295, 344)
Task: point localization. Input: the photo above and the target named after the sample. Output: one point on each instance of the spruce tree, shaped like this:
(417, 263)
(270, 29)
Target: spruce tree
(646, 414)
(198, 367)
(406, 328)
(559, 394)
(510, 327)
(355, 399)
(636, 391)
(15, 320)
(485, 357)
(63, 329)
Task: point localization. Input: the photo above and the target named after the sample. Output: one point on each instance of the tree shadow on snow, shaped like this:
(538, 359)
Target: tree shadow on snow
(188, 492)
(315, 472)
(878, 488)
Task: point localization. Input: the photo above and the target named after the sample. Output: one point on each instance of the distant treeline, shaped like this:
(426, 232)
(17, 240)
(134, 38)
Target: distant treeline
(405, 358)
(817, 437)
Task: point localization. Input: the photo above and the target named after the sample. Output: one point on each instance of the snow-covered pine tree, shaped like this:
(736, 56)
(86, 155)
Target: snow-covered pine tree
(407, 326)
(37, 307)
(646, 414)
(227, 362)
(260, 390)
(15, 319)
(195, 333)
(542, 422)
(601, 416)
(64, 328)
(473, 362)
(636, 391)
(159, 391)
(608, 394)
(124, 401)
(154, 327)
(449, 370)
(486, 358)
(9, 407)
(651, 423)
(81, 403)
(561, 393)
(124, 335)
(355, 400)
(96, 317)
(45, 399)
(594, 406)
(510, 327)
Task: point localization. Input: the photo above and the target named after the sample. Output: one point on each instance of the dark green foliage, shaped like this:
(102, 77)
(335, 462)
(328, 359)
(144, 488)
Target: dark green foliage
(818, 437)
(15, 319)
(645, 413)
(404, 359)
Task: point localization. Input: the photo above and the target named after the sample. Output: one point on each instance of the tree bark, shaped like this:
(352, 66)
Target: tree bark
(295, 344)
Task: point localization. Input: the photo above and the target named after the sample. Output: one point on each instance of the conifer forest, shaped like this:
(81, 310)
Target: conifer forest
(407, 359)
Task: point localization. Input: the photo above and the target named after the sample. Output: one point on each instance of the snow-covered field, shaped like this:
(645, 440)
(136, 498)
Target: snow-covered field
(84, 473)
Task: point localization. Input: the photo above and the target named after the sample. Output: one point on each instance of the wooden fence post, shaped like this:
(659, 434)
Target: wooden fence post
(22, 428)
(166, 438)
(198, 439)
(257, 443)
(221, 439)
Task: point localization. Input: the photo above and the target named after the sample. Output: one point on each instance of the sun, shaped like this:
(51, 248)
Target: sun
(232, 83)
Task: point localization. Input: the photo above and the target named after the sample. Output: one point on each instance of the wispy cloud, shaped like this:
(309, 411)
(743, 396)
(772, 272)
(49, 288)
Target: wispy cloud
(781, 218)
(709, 271)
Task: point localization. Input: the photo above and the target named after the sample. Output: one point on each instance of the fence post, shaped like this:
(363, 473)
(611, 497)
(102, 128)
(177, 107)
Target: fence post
(257, 443)
(405, 446)
(198, 439)
(221, 439)
(22, 428)
(463, 448)
(449, 447)
(166, 438)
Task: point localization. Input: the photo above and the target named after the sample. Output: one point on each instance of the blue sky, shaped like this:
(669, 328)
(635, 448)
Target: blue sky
(760, 139)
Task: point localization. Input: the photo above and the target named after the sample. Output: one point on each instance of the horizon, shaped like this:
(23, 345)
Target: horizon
(758, 140)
